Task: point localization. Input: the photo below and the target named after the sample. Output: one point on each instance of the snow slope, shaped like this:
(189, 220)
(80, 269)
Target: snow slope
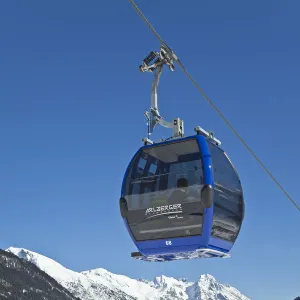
(101, 284)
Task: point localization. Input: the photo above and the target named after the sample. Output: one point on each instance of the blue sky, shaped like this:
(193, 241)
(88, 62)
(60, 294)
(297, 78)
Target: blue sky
(71, 116)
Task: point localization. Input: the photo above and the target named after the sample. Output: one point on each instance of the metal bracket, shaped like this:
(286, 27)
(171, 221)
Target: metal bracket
(147, 141)
(209, 135)
(158, 59)
(154, 63)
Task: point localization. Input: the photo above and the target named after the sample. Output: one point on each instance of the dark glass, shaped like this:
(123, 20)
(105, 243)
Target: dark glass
(228, 196)
(163, 191)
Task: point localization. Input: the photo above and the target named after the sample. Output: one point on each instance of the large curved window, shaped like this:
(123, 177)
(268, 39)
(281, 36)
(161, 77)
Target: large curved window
(228, 197)
(162, 191)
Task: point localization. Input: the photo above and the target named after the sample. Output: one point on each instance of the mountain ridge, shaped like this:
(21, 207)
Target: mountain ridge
(20, 279)
(101, 284)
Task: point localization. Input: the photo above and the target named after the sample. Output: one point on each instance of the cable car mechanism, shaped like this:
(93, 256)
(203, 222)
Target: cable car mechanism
(181, 198)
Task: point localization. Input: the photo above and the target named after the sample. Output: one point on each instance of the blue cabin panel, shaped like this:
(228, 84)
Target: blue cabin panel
(219, 244)
(208, 180)
(167, 246)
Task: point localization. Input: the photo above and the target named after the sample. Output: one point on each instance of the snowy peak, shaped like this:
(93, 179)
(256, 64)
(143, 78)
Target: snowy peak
(170, 287)
(48, 265)
(163, 282)
(208, 288)
(20, 279)
(101, 284)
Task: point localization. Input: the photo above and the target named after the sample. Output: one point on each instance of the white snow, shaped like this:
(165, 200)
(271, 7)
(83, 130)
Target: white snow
(101, 284)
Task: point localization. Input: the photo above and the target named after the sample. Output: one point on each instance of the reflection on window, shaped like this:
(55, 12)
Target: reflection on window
(152, 169)
(160, 173)
(141, 165)
(228, 198)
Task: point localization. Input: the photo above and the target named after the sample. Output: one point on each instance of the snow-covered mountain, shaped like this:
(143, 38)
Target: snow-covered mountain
(99, 284)
(22, 280)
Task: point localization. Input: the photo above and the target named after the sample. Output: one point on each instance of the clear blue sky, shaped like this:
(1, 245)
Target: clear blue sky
(71, 116)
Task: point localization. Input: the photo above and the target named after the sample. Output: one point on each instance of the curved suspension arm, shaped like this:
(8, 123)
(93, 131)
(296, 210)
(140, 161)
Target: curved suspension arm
(154, 62)
(154, 103)
(157, 75)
